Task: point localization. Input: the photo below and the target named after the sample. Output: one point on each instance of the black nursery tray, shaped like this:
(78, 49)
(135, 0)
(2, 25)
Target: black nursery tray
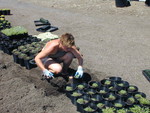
(146, 73)
(47, 28)
(39, 23)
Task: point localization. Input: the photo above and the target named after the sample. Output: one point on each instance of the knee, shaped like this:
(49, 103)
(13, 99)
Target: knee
(56, 69)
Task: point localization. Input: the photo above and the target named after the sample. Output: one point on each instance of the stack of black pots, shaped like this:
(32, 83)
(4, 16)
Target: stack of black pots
(4, 23)
(94, 96)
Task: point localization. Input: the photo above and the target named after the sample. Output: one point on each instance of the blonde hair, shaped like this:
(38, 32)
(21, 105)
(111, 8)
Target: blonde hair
(67, 39)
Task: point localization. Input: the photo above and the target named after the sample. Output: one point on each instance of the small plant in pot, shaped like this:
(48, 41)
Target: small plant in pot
(82, 86)
(144, 101)
(110, 96)
(123, 110)
(100, 105)
(109, 110)
(94, 84)
(103, 90)
(132, 89)
(139, 95)
(122, 93)
(96, 98)
(139, 109)
(106, 82)
(130, 100)
(90, 108)
(90, 91)
(123, 84)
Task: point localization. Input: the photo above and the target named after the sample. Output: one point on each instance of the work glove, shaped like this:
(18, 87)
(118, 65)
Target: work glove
(79, 72)
(48, 74)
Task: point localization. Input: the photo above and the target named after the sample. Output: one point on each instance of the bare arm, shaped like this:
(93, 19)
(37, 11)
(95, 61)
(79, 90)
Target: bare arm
(78, 55)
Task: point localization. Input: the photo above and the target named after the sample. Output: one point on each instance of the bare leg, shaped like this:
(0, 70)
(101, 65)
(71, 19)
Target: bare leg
(53, 66)
(66, 59)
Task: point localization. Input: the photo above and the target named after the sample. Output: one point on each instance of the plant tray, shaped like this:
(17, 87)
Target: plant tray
(47, 28)
(39, 23)
(146, 73)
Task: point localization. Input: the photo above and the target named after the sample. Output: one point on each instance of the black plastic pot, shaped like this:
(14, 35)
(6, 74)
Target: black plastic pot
(122, 93)
(106, 82)
(90, 91)
(96, 98)
(94, 84)
(15, 57)
(118, 104)
(82, 86)
(122, 3)
(123, 84)
(130, 100)
(138, 95)
(90, 106)
(86, 99)
(114, 87)
(107, 103)
(21, 59)
(130, 90)
(28, 64)
(110, 97)
(103, 90)
(115, 79)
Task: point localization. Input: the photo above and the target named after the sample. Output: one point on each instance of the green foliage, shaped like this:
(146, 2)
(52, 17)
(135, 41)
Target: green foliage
(94, 85)
(88, 109)
(109, 110)
(68, 88)
(80, 86)
(144, 101)
(122, 92)
(107, 82)
(138, 109)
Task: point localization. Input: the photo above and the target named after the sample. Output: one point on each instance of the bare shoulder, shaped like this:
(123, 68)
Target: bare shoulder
(52, 43)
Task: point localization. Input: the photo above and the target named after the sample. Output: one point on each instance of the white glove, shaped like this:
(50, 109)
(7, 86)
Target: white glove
(48, 74)
(79, 72)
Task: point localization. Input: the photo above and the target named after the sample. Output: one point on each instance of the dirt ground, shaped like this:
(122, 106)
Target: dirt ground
(114, 42)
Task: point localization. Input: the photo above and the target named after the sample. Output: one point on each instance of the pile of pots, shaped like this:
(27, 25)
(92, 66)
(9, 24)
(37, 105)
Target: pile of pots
(113, 92)
(5, 11)
(4, 23)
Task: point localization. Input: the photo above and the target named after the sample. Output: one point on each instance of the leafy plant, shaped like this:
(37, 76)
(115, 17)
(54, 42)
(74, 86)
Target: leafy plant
(94, 85)
(121, 84)
(121, 110)
(68, 88)
(138, 109)
(130, 100)
(88, 109)
(100, 105)
(138, 96)
(118, 105)
(107, 82)
(108, 110)
(111, 97)
(131, 88)
(76, 94)
(102, 91)
(144, 101)
(80, 86)
(81, 101)
(122, 92)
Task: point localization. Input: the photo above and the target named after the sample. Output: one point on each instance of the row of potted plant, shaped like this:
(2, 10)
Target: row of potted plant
(7, 45)
(24, 54)
(5, 11)
(100, 92)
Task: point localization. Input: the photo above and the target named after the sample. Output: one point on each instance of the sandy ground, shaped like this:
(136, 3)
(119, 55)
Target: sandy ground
(114, 42)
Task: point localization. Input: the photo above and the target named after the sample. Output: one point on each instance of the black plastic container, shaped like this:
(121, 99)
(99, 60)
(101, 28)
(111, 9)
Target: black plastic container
(147, 2)
(90, 108)
(130, 100)
(123, 84)
(103, 90)
(118, 104)
(138, 95)
(94, 84)
(110, 97)
(115, 79)
(106, 82)
(114, 87)
(122, 93)
(122, 3)
(132, 89)
(82, 86)
(90, 91)
(96, 98)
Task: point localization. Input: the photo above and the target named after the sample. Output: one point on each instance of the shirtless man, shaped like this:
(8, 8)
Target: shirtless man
(58, 51)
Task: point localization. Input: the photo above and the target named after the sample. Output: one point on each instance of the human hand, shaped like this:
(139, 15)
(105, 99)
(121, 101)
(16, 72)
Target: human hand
(48, 74)
(79, 72)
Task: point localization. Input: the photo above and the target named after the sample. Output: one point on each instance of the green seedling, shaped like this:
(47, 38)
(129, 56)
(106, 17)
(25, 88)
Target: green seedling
(88, 109)
(111, 97)
(144, 101)
(100, 105)
(122, 92)
(107, 82)
(130, 100)
(94, 85)
(68, 88)
(121, 84)
(131, 88)
(80, 86)
(138, 96)
(118, 105)
(102, 91)
(75, 94)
